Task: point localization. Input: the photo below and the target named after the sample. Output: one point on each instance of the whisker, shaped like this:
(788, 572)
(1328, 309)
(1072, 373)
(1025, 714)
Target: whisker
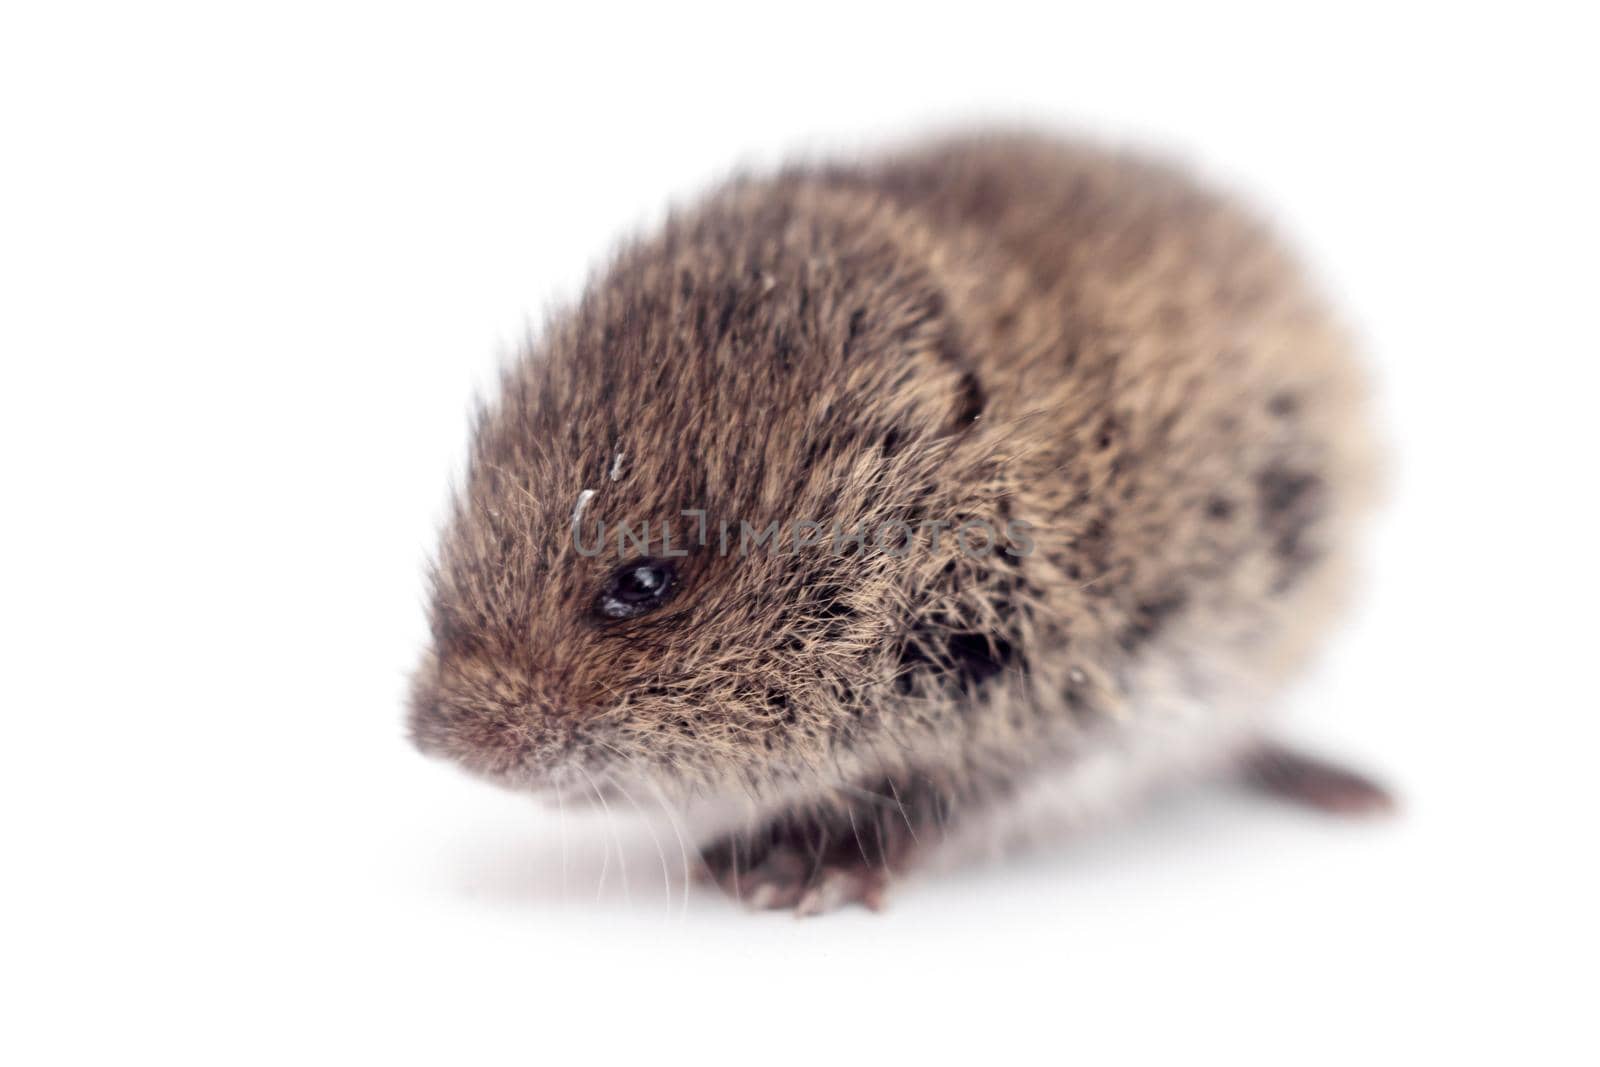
(561, 809)
(903, 813)
(605, 846)
(683, 848)
(622, 857)
(865, 794)
(666, 873)
(856, 833)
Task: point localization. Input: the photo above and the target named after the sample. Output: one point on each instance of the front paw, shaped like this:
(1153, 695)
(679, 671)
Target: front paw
(786, 877)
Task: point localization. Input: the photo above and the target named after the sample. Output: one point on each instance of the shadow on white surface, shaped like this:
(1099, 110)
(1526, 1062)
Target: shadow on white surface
(1198, 834)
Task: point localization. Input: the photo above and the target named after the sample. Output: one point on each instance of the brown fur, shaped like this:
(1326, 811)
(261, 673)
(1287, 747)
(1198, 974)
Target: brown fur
(997, 328)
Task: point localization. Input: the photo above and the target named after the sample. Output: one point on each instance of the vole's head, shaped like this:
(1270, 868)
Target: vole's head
(725, 409)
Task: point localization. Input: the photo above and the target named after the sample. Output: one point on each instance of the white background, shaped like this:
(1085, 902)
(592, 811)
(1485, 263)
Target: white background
(254, 262)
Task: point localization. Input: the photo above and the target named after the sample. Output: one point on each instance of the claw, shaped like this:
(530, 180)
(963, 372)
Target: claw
(838, 886)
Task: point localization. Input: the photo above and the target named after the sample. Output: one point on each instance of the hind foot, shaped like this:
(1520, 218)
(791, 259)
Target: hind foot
(1314, 783)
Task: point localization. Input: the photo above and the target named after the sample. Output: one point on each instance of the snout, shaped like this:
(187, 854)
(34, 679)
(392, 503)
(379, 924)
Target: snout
(496, 727)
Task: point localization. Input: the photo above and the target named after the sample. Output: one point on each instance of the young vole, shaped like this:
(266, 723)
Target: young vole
(865, 504)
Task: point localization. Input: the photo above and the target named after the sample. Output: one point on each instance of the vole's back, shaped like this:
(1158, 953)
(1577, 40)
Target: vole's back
(1190, 436)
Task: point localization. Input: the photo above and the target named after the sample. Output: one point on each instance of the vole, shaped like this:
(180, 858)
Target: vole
(867, 504)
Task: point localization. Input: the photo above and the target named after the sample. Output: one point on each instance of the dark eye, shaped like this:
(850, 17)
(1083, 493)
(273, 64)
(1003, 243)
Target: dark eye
(636, 588)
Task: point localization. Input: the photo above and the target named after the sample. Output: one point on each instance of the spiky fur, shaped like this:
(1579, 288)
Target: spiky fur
(1004, 328)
